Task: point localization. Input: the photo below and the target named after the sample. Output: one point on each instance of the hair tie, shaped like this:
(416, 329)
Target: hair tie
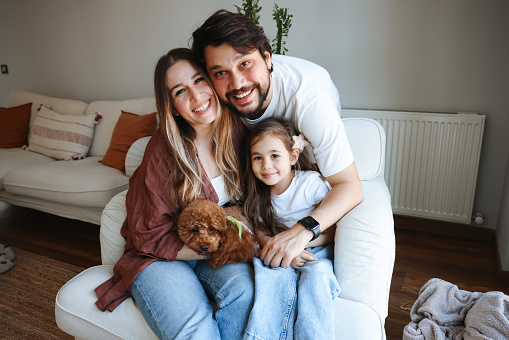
(299, 142)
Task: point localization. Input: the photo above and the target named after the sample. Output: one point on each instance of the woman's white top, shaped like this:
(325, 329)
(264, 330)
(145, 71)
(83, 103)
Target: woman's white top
(220, 189)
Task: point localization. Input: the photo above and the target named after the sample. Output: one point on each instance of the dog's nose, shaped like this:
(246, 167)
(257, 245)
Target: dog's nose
(205, 247)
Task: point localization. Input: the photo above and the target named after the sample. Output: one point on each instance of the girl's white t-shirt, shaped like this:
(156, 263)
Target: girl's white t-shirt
(306, 190)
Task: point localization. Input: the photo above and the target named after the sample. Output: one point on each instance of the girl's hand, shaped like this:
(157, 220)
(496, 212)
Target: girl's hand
(262, 239)
(301, 259)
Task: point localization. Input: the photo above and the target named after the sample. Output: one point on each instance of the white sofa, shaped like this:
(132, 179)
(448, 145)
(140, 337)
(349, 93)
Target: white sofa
(364, 258)
(74, 189)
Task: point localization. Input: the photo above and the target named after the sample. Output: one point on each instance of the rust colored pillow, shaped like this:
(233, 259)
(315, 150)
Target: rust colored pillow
(129, 128)
(14, 123)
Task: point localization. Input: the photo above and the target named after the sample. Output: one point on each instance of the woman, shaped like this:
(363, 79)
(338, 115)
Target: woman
(195, 154)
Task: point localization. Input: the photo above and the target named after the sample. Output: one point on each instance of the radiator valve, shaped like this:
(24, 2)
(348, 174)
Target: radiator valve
(478, 218)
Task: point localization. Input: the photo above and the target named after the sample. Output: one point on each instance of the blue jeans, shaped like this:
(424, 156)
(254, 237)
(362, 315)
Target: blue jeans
(172, 296)
(293, 303)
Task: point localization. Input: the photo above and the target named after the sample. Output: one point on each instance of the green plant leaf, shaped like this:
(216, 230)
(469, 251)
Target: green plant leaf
(283, 23)
(250, 9)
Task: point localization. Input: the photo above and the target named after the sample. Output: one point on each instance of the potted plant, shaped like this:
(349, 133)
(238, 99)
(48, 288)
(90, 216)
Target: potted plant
(281, 16)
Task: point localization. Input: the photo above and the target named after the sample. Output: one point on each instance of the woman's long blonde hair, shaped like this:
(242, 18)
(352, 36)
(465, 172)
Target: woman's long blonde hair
(180, 135)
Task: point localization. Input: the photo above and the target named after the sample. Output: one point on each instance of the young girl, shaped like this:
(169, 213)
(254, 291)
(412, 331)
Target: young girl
(284, 187)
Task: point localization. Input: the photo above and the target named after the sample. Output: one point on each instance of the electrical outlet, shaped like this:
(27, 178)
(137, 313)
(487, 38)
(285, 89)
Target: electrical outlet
(5, 69)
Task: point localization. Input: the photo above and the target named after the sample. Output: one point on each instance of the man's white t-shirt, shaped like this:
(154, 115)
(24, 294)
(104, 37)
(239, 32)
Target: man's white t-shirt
(304, 93)
(306, 190)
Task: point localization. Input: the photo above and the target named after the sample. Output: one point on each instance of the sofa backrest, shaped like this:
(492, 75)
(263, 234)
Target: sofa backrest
(367, 140)
(60, 105)
(366, 137)
(111, 111)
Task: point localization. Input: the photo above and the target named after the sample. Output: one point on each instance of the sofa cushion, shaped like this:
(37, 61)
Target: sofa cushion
(61, 105)
(62, 136)
(11, 159)
(112, 219)
(14, 125)
(135, 154)
(110, 111)
(129, 128)
(77, 314)
(85, 183)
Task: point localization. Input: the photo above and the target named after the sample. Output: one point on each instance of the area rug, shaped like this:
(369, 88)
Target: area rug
(27, 296)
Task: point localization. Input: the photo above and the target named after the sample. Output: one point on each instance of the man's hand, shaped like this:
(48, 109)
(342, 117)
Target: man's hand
(280, 250)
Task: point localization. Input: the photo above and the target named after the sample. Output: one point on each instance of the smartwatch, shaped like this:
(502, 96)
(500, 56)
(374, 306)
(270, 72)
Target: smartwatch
(311, 224)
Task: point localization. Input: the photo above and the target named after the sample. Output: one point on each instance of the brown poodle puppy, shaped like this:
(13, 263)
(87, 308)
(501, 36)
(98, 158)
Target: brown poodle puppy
(204, 228)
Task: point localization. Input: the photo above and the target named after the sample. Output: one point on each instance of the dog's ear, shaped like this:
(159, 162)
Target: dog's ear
(233, 249)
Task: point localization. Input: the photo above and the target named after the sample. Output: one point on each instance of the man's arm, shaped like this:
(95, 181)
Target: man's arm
(346, 193)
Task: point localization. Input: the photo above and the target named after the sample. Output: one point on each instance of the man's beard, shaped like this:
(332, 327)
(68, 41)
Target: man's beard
(249, 113)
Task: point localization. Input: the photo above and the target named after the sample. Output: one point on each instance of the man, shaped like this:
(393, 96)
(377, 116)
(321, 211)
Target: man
(256, 85)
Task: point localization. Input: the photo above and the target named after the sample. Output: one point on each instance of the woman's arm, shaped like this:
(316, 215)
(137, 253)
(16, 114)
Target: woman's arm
(151, 206)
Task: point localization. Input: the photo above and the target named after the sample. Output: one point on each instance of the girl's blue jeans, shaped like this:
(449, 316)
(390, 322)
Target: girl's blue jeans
(172, 296)
(295, 304)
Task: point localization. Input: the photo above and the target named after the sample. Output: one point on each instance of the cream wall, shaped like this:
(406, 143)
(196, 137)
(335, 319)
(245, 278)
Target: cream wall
(398, 54)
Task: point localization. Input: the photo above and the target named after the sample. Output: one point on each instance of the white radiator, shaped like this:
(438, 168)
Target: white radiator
(431, 161)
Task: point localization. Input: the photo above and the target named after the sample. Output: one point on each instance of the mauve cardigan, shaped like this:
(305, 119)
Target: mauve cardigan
(151, 211)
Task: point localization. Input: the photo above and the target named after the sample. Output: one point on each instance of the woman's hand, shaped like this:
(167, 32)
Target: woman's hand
(301, 259)
(187, 254)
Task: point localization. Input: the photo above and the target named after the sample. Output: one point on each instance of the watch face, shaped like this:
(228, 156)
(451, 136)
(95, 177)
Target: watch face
(309, 222)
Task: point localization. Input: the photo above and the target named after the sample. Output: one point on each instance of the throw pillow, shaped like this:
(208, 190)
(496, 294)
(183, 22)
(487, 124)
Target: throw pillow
(129, 128)
(62, 136)
(14, 123)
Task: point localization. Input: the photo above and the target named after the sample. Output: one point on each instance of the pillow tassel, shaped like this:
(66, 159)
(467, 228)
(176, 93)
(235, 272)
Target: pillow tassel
(78, 157)
(43, 105)
(98, 118)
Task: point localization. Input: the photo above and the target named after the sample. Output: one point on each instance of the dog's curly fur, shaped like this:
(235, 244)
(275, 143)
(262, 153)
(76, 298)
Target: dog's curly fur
(203, 227)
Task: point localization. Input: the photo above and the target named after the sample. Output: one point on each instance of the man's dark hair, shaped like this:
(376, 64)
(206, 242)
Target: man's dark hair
(235, 29)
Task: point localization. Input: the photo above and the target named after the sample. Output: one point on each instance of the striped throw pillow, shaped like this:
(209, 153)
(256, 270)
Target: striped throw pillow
(59, 136)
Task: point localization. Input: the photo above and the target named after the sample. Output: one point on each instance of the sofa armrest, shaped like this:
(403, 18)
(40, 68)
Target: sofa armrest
(367, 141)
(364, 249)
(134, 155)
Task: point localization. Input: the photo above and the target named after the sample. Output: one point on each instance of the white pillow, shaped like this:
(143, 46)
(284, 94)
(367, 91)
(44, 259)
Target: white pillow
(62, 136)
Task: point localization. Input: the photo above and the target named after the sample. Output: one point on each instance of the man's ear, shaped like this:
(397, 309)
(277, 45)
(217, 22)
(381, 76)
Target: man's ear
(294, 156)
(268, 59)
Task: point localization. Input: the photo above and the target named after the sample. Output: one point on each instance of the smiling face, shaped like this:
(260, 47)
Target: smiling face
(191, 95)
(242, 81)
(272, 163)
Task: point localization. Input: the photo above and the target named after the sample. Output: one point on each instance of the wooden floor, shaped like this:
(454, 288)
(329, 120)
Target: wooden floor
(463, 255)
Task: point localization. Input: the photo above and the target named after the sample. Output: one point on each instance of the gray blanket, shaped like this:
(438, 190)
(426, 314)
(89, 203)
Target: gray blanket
(442, 311)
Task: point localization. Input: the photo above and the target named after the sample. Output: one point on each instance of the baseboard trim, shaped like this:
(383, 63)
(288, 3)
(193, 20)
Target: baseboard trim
(454, 230)
(444, 228)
